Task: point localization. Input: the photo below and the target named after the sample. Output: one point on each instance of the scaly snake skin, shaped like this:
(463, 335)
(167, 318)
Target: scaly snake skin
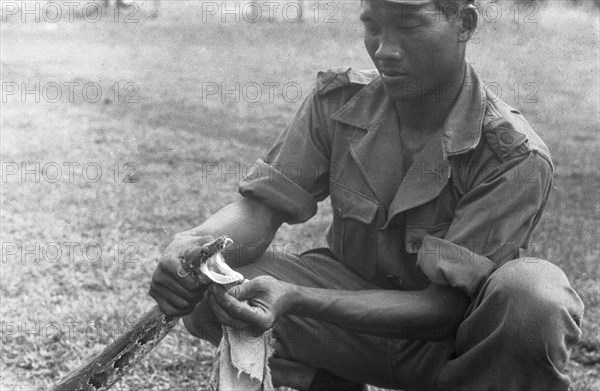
(105, 369)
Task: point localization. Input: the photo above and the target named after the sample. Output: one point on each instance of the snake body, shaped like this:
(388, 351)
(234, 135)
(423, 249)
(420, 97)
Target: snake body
(104, 370)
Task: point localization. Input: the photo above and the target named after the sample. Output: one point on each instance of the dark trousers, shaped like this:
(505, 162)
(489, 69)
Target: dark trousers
(517, 334)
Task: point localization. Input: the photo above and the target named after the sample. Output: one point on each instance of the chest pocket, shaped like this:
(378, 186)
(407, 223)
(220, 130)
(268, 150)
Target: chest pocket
(353, 237)
(416, 233)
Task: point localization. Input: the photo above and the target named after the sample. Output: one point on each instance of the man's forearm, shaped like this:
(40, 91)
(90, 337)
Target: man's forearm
(250, 224)
(430, 314)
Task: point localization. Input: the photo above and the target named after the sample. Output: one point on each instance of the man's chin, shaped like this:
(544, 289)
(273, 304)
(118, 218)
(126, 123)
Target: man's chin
(403, 92)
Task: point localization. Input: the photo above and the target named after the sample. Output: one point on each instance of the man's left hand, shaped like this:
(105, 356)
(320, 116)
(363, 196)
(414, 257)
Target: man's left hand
(256, 303)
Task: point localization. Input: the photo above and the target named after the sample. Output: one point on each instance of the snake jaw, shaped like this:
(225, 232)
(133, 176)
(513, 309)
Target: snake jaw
(208, 264)
(214, 269)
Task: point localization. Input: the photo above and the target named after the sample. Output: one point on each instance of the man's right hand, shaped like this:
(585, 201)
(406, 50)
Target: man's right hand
(176, 295)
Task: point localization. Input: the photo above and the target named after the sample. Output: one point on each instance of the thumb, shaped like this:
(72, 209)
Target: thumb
(243, 291)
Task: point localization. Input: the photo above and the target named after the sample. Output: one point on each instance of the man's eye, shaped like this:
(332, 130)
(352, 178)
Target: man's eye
(408, 26)
(409, 23)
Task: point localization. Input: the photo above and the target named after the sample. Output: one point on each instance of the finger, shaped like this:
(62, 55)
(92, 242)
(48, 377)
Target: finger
(176, 290)
(168, 309)
(174, 285)
(224, 300)
(173, 269)
(171, 298)
(170, 272)
(244, 291)
(224, 317)
(240, 309)
(279, 350)
(223, 297)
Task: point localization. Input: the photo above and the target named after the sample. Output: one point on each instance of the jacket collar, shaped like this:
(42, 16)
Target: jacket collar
(461, 131)
(377, 151)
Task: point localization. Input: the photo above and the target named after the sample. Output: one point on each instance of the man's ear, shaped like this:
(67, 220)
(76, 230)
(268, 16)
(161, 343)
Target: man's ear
(469, 16)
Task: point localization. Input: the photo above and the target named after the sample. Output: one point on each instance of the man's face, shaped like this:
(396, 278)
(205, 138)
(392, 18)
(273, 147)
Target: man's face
(415, 48)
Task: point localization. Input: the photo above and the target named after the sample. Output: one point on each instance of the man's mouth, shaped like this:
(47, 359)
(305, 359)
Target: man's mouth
(393, 78)
(392, 73)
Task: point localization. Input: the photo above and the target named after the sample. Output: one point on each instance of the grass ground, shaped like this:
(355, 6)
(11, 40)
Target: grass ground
(78, 251)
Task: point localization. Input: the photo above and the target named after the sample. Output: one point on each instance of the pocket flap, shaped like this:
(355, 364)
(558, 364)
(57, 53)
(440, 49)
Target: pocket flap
(349, 204)
(416, 233)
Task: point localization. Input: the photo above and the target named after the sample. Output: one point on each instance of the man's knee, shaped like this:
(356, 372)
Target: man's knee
(543, 308)
(535, 283)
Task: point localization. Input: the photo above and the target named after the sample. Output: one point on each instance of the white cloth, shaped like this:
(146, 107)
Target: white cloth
(242, 362)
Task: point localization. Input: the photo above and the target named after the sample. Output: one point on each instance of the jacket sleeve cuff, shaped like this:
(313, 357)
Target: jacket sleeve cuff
(266, 184)
(449, 264)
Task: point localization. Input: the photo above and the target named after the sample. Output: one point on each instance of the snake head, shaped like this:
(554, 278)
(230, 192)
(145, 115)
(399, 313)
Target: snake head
(208, 265)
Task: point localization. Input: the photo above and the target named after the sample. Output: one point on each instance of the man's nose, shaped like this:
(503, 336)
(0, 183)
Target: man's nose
(388, 49)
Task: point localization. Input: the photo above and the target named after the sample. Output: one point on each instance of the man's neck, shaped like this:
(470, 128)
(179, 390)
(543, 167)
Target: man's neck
(426, 115)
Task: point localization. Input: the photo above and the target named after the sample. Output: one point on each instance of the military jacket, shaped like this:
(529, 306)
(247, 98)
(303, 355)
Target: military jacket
(467, 203)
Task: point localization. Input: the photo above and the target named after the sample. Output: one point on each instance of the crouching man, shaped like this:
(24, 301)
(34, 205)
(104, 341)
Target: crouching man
(435, 186)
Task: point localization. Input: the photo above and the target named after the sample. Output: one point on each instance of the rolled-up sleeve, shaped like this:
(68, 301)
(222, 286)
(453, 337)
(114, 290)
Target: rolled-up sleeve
(492, 222)
(294, 175)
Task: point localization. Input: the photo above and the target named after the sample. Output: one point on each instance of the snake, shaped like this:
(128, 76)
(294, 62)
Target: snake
(206, 264)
